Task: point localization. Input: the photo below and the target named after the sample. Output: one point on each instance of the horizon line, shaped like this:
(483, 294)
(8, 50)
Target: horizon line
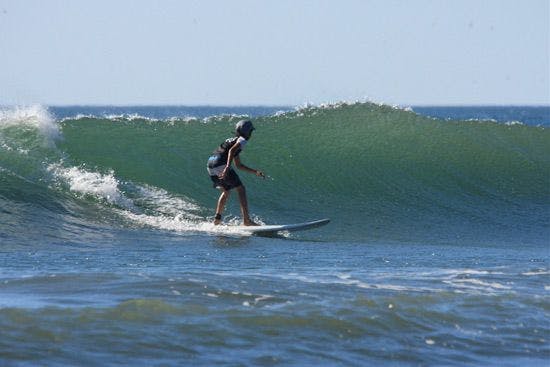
(279, 105)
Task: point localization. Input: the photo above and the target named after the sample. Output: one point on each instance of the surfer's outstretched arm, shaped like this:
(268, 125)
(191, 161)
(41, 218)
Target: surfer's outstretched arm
(241, 166)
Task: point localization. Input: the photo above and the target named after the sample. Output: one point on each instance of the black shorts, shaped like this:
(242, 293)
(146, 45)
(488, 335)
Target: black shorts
(230, 181)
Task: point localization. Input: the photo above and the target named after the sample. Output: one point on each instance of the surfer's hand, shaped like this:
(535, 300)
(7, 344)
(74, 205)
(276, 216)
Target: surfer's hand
(260, 174)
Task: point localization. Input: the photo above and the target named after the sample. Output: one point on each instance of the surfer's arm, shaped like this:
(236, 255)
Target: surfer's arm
(241, 166)
(231, 157)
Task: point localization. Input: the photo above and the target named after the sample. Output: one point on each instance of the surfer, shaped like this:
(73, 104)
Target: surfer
(224, 177)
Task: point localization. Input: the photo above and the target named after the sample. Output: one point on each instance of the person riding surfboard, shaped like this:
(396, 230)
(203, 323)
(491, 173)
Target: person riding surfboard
(224, 176)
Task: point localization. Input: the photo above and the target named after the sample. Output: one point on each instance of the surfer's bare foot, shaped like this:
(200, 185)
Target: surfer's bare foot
(250, 222)
(217, 222)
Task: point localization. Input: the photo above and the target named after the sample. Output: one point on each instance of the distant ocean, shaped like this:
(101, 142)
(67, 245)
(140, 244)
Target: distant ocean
(437, 253)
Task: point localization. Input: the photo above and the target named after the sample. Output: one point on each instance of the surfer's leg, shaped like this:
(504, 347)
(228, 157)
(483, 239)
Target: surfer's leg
(244, 207)
(221, 204)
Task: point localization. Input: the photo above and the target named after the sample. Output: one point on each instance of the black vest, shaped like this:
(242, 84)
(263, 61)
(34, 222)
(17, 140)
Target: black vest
(222, 152)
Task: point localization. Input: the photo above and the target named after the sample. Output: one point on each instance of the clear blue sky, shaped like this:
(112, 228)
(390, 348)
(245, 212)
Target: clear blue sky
(280, 52)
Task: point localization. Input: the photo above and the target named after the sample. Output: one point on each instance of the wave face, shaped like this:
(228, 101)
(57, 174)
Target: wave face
(380, 173)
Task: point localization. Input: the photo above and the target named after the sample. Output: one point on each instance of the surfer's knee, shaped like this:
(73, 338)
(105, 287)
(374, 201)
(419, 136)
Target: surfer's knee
(225, 194)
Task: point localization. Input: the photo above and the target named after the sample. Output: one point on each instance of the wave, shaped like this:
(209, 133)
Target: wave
(381, 172)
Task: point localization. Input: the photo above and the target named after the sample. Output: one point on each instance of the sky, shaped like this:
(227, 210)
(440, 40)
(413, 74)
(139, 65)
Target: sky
(279, 52)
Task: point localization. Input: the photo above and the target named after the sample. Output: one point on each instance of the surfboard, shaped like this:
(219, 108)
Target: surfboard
(274, 228)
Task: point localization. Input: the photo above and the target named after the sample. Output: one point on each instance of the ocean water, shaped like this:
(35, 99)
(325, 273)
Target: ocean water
(437, 252)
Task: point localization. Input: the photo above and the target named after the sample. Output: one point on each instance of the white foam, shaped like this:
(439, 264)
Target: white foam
(314, 107)
(454, 273)
(79, 116)
(347, 280)
(488, 121)
(111, 117)
(165, 203)
(536, 272)
(182, 224)
(177, 223)
(171, 213)
(142, 204)
(229, 116)
(36, 116)
(102, 186)
(171, 121)
(514, 123)
(476, 284)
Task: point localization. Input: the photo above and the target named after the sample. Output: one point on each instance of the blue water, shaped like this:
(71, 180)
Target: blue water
(529, 115)
(437, 252)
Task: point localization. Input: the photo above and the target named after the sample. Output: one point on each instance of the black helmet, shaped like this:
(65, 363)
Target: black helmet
(244, 128)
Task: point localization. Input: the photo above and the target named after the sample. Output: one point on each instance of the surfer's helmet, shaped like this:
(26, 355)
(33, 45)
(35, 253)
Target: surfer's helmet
(244, 128)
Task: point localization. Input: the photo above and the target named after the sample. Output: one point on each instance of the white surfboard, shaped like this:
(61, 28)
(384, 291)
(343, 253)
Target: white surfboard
(274, 228)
